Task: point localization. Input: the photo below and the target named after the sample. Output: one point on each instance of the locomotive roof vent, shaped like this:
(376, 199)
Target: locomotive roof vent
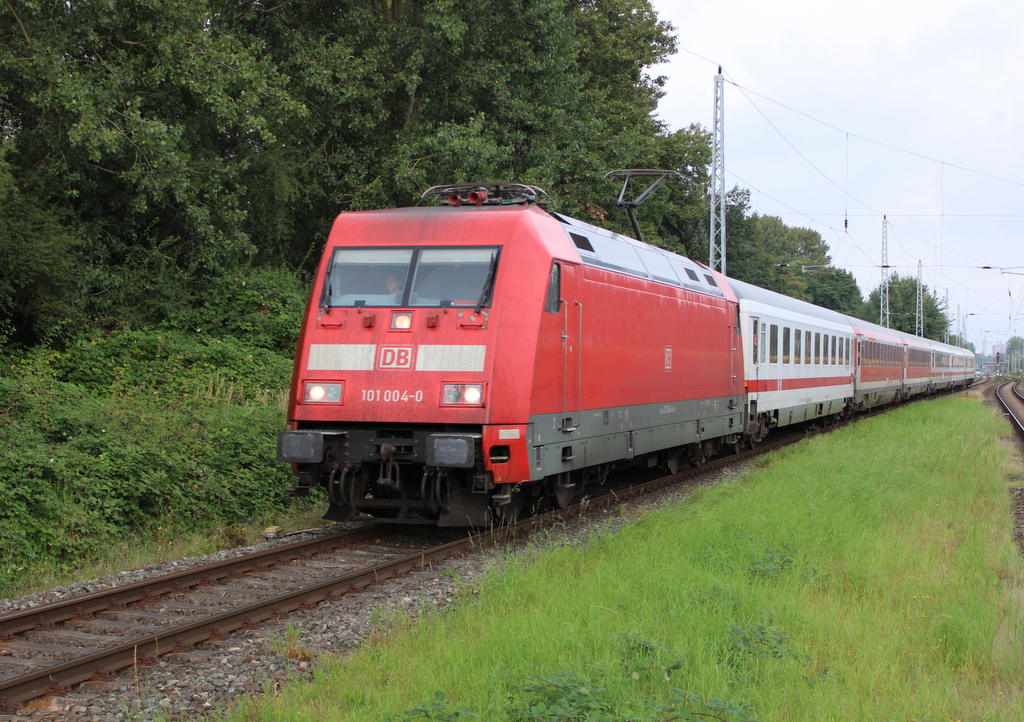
(487, 194)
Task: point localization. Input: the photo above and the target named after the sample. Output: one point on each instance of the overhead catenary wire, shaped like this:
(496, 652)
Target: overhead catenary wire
(843, 237)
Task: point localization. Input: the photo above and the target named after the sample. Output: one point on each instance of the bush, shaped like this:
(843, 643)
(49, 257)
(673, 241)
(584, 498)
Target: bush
(120, 433)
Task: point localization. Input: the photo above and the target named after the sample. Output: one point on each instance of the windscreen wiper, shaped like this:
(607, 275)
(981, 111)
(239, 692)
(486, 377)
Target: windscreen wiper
(485, 294)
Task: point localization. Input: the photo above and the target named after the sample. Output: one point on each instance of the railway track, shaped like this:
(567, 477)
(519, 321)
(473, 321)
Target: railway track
(51, 648)
(1010, 398)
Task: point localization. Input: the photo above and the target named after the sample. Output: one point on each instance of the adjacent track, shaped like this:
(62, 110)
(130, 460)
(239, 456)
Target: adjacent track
(1012, 401)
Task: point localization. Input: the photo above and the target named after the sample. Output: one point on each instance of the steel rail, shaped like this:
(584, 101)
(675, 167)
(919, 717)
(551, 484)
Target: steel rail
(149, 589)
(145, 650)
(1018, 422)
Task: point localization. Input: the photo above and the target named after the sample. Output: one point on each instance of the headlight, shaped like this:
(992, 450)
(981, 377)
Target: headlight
(401, 320)
(462, 395)
(321, 393)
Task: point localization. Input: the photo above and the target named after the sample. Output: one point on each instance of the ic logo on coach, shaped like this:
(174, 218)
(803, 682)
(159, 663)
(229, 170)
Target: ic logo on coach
(394, 357)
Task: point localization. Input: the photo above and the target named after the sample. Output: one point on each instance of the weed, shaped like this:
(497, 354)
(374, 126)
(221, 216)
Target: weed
(562, 697)
(290, 645)
(682, 707)
(435, 709)
(716, 598)
(640, 656)
(230, 536)
(757, 640)
(773, 563)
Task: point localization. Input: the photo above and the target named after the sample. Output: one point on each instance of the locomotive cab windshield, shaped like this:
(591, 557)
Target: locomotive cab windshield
(427, 277)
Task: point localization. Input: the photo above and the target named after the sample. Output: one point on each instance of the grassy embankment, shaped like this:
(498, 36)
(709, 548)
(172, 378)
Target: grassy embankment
(133, 446)
(864, 574)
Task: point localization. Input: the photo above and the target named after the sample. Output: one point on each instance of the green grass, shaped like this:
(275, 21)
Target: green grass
(864, 574)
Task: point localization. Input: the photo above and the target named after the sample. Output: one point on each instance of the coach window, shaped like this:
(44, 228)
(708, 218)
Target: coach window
(842, 355)
(785, 345)
(774, 352)
(797, 336)
(817, 349)
(833, 350)
(754, 338)
(807, 347)
(764, 342)
(551, 303)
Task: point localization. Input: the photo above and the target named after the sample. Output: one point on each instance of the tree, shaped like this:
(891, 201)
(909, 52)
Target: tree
(794, 261)
(903, 308)
(38, 282)
(834, 288)
(1014, 357)
(958, 340)
(187, 139)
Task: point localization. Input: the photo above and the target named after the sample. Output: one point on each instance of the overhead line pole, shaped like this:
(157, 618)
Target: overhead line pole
(920, 303)
(716, 256)
(883, 290)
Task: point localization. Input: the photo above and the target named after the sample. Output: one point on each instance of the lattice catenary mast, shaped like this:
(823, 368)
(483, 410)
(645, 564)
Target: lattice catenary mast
(945, 310)
(717, 254)
(883, 290)
(919, 331)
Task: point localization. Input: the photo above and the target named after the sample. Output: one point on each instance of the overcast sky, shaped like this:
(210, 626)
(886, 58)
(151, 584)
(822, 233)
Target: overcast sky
(850, 111)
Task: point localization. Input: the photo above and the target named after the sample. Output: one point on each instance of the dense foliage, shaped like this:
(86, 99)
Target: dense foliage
(150, 145)
(903, 308)
(171, 425)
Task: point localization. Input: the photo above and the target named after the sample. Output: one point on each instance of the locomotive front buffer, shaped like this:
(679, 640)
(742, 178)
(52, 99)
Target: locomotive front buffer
(401, 475)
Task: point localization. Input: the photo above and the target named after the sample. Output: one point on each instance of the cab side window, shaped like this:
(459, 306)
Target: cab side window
(551, 303)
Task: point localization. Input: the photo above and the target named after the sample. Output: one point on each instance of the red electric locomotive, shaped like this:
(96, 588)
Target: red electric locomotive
(457, 361)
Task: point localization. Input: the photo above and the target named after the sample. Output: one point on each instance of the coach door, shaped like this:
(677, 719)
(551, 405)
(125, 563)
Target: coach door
(572, 349)
(755, 355)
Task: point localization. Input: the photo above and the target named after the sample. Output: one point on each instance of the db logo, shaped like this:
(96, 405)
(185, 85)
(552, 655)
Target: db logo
(394, 357)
